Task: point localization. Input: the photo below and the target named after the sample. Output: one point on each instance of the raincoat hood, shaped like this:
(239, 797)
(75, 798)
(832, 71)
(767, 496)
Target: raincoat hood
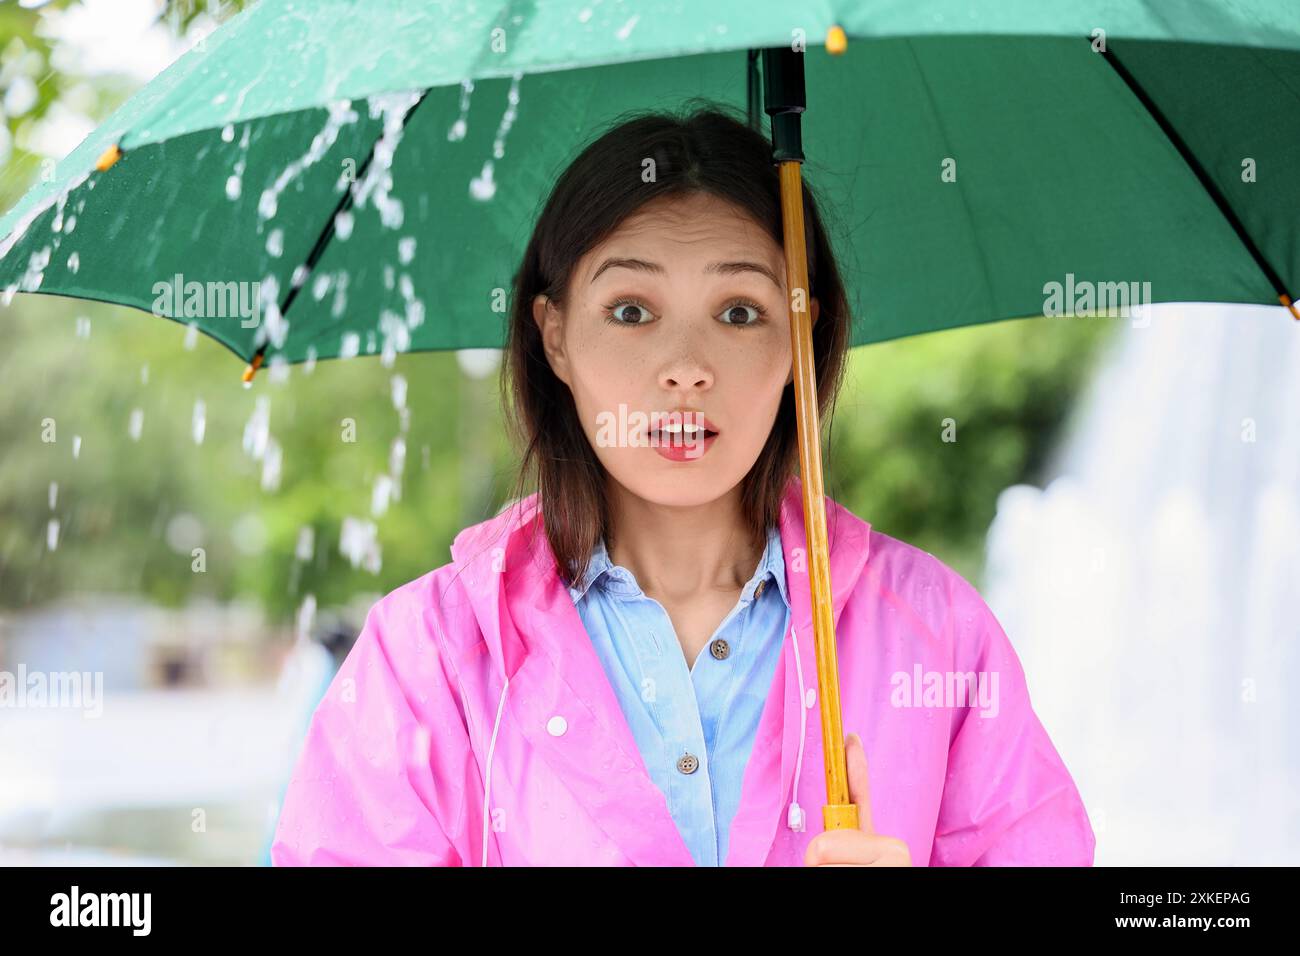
(472, 723)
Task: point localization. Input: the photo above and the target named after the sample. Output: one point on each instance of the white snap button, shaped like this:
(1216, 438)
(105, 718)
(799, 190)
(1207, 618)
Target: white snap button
(556, 726)
(810, 698)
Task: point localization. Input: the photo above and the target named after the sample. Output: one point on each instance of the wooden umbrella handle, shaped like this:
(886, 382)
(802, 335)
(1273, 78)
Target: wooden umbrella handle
(838, 813)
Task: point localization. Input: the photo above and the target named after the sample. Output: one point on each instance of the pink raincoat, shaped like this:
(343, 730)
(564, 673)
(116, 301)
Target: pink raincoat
(472, 723)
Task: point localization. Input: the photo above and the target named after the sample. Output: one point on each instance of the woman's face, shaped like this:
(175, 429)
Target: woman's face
(683, 308)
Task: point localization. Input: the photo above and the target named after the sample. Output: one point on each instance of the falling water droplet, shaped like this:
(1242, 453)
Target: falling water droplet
(257, 430)
(228, 132)
(198, 423)
(482, 187)
(52, 535)
(191, 336)
(460, 127)
(233, 187)
(306, 545)
(136, 425)
(76, 446)
(380, 495)
(343, 224)
(406, 249)
(74, 263)
(275, 243)
(83, 327)
(54, 494)
(271, 466)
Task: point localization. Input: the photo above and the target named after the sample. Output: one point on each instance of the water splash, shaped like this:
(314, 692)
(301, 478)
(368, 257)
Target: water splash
(483, 187)
(341, 114)
(376, 186)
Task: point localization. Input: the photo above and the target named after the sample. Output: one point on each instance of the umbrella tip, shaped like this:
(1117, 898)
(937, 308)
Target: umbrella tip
(252, 368)
(836, 40)
(1286, 301)
(109, 157)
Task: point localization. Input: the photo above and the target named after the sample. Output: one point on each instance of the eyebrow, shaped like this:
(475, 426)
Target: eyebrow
(720, 268)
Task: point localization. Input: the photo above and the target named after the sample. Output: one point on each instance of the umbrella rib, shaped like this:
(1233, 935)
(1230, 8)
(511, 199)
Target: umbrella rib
(754, 91)
(327, 233)
(1207, 182)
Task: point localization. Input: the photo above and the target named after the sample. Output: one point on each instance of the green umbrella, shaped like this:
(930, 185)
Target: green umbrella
(970, 155)
(278, 187)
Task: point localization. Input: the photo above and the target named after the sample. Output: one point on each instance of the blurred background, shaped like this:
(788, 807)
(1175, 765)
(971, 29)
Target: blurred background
(1125, 494)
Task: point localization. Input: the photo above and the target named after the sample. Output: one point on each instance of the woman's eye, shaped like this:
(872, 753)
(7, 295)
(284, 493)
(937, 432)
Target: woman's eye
(629, 313)
(740, 313)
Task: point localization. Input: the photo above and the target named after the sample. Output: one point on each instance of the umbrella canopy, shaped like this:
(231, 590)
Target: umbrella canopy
(372, 170)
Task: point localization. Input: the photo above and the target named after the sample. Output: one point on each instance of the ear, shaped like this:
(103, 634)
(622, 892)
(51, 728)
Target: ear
(814, 312)
(548, 319)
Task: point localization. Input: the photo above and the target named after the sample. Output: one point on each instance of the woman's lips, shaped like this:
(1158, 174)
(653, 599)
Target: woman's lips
(681, 446)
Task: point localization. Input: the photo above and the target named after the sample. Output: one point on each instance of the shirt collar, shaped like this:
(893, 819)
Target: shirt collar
(619, 580)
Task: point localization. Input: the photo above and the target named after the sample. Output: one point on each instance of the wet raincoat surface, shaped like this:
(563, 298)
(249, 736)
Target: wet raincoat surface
(472, 722)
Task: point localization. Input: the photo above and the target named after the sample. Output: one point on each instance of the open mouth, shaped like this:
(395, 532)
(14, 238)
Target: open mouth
(680, 436)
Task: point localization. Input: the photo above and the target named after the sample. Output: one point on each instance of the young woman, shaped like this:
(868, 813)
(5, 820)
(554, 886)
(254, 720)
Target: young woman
(618, 669)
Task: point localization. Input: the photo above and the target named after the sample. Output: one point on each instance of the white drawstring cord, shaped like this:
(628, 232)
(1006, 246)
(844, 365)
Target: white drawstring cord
(794, 817)
(487, 783)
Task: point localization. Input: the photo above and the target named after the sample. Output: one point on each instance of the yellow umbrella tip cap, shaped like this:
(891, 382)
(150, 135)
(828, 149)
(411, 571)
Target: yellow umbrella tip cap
(836, 40)
(1286, 301)
(109, 157)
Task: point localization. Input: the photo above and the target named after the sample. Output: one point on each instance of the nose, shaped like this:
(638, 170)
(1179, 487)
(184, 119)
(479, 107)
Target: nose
(686, 375)
(687, 369)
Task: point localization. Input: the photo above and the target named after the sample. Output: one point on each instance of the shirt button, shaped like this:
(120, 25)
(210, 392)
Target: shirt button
(556, 726)
(687, 763)
(720, 649)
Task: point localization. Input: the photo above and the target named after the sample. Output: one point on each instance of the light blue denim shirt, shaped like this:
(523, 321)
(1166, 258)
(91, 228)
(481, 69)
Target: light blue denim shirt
(694, 727)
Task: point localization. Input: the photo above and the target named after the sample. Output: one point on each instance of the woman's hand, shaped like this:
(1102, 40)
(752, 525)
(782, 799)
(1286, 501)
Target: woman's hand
(863, 846)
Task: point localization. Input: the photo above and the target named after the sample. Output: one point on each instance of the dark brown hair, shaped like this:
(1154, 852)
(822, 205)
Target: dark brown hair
(707, 150)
